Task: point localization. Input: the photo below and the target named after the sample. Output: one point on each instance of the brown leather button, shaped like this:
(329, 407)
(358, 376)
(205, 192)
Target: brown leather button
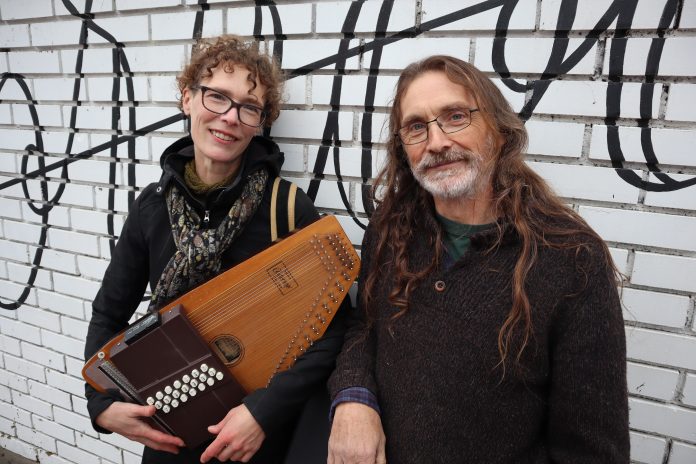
(440, 286)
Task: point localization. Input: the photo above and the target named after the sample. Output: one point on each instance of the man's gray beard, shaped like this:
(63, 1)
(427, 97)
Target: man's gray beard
(459, 181)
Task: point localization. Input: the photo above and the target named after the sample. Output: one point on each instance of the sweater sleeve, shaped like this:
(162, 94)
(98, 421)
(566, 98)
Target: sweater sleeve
(588, 400)
(279, 403)
(120, 294)
(355, 364)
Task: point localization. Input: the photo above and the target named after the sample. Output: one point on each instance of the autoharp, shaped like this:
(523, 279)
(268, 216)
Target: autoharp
(198, 356)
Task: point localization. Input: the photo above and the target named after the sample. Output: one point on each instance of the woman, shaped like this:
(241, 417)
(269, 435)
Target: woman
(213, 203)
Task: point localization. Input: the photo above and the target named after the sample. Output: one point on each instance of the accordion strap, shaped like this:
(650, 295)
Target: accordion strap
(282, 187)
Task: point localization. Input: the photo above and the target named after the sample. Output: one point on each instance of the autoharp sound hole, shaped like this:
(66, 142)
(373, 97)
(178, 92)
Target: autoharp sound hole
(228, 348)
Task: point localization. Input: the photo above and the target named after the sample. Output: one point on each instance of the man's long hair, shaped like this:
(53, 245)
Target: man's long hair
(520, 199)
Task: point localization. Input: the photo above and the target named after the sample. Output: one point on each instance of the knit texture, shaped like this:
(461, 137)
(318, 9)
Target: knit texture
(436, 371)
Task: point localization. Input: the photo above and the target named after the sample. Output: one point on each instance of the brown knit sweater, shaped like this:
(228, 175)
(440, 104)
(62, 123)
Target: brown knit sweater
(436, 371)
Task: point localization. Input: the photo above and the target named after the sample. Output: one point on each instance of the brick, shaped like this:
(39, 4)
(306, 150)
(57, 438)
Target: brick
(74, 454)
(75, 286)
(15, 414)
(74, 369)
(43, 62)
(294, 158)
(7, 427)
(94, 117)
(681, 102)
(65, 382)
(105, 247)
(58, 141)
(138, 4)
(119, 202)
(531, 55)
(671, 146)
(73, 241)
(589, 12)
(55, 33)
(555, 138)
(660, 347)
(164, 88)
(54, 430)
(523, 17)
(298, 53)
(49, 394)
(655, 308)
(25, 368)
(643, 228)
(78, 422)
(682, 453)
(664, 271)
(19, 330)
(122, 150)
(20, 232)
(689, 393)
(350, 160)
(294, 19)
(145, 174)
(13, 381)
(26, 9)
(4, 63)
(10, 209)
(655, 382)
(353, 230)
(124, 28)
(329, 195)
(93, 171)
(399, 54)
(102, 88)
(63, 344)
(57, 88)
(89, 221)
(58, 261)
(43, 356)
(663, 419)
(80, 406)
(157, 59)
(172, 26)
(379, 127)
(353, 90)
(672, 62)
(16, 139)
(10, 345)
(151, 115)
(572, 182)
(688, 15)
(18, 447)
(683, 198)
(97, 7)
(15, 35)
(589, 99)
(47, 115)
(647, 448)
(13, 250)
(310, 125)
(91, 267)
(98, 448)
(78, 194)
(38, 317)
(74, 328)
(332, 15)
(32, 405)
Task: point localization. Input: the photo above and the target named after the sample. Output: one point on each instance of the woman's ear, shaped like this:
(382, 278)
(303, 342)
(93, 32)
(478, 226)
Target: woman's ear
(186, 101)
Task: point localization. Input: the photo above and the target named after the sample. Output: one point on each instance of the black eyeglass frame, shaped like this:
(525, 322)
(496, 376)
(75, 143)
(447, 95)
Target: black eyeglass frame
(439, 124)
(233, 104)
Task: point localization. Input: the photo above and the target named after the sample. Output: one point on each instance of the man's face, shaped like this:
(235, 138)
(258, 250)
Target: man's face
(221, 139)
(452, 165)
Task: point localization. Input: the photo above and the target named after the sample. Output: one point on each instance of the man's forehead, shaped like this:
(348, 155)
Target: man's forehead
(434, 92)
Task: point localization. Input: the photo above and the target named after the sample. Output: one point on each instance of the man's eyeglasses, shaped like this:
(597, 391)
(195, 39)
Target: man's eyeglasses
(448, 122)
(219, 103)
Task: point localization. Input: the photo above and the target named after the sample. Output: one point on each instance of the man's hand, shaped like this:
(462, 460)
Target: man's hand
(357, 436)
(239, 437)
(125, 419)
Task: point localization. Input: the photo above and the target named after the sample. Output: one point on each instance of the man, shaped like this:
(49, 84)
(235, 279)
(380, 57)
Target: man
(491, 328)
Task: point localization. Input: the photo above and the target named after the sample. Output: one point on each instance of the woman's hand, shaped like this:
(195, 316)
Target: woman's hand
(239, 437)
(357, 436)
(125, 419)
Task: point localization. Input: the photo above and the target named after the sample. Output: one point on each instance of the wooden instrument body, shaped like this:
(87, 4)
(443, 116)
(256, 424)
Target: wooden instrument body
(267, 310)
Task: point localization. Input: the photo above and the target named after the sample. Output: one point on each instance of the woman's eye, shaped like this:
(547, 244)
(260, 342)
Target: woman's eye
(216, 96)
(251, 109)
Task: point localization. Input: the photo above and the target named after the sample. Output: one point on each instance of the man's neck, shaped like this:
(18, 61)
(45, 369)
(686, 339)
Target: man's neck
(471, 211)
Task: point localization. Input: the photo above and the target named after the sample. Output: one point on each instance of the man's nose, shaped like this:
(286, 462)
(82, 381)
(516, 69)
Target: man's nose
(437, 141)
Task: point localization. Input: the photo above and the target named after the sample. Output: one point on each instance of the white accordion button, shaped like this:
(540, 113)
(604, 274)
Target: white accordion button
(194, 383)
(202, 378)
(195, 373)
(167, 399)
(150, 400)
(219, 375)
(177, 384)
(159, 395)
(211, 371)
(166, 408)
(175, 403)
(158, 405)
(186, 379)
(168, 390)
(201, 386)
(185, 388)
(210, 381)
(176, 393)
(204, 367)
(192, 392)
(183, 398)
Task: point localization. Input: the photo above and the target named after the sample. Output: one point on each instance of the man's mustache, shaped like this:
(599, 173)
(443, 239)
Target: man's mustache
(448, 156)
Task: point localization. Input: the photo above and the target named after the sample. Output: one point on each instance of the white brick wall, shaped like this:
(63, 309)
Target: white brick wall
(652, 233)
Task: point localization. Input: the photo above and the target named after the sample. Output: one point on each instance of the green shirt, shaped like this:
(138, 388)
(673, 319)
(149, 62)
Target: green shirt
(456, 235)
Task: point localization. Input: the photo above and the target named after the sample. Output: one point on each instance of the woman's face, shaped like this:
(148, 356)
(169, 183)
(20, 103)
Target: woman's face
(221, 139)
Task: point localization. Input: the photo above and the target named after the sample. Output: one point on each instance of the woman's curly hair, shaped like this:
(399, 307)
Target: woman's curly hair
(230, 50)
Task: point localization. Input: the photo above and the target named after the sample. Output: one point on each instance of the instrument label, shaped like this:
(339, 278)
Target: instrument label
(282, 278)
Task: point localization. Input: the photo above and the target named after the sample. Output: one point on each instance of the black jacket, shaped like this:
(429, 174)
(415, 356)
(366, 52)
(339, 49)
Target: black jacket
(145, 247)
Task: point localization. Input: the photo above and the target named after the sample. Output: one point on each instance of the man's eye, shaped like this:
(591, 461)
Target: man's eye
(416, 127)
(456, 116)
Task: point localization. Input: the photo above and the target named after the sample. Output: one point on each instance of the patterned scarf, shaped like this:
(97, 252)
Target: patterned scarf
(199, 251)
